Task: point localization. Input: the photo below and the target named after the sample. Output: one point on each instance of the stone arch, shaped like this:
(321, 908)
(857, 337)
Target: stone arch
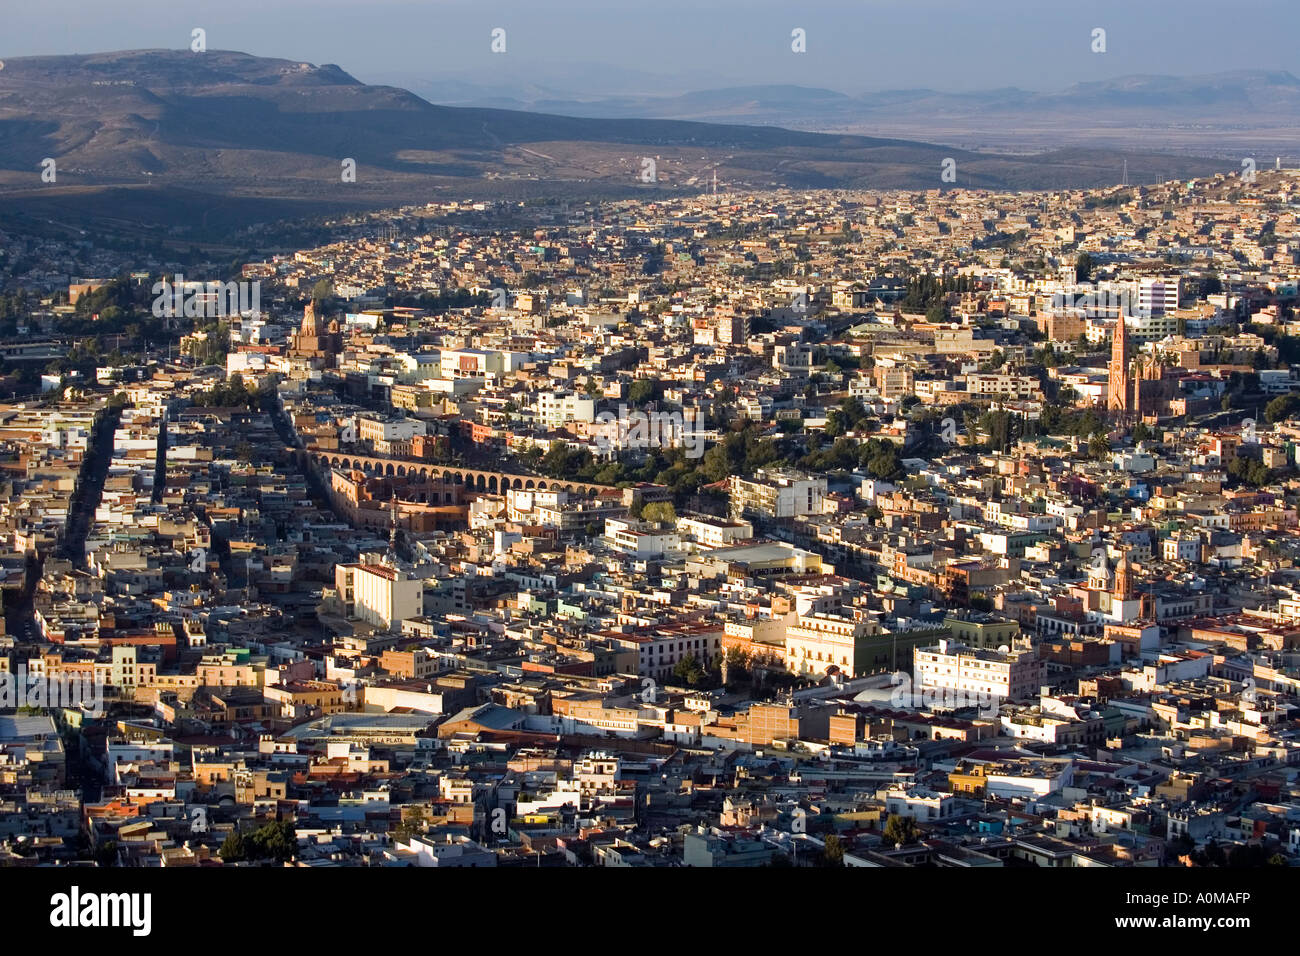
(528, 485)
(480, 483)
(492, 484)
(424, 473)
(401, 471)
(389, 468)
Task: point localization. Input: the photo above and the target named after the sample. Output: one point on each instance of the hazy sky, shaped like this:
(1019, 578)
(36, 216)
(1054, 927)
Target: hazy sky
(666, 46)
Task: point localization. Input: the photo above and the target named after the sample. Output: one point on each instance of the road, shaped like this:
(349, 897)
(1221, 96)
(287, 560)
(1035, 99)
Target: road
(90, 486)
(20, 615)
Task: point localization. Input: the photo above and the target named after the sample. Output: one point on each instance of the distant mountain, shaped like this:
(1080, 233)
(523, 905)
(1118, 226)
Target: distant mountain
(1245, 108)
(229, 124)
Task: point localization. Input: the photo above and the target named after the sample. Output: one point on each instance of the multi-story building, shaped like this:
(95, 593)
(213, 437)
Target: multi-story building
(982, 630)
(556, 408)
(379, 595)
(776, 494)
(640, 539)
(714, 532)
(377, 428)
(814, 643)
(1157, 295)
(1003, 385)
(659, 650)
(1014, 674)
(893, 380)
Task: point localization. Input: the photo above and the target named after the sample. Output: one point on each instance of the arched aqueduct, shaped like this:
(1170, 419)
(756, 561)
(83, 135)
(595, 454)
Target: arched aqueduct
(490, 482)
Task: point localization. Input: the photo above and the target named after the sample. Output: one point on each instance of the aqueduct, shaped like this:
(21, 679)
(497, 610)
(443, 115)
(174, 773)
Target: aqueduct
(491, 482)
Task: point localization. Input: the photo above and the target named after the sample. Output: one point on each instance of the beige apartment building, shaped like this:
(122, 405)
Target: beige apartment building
(816, 642)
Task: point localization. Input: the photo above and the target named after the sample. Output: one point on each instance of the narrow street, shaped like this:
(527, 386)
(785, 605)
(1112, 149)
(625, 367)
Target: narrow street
(20, 619)
(90, 485)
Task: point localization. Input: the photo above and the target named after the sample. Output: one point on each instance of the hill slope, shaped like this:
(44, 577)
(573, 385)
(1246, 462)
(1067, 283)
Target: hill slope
(229, 124)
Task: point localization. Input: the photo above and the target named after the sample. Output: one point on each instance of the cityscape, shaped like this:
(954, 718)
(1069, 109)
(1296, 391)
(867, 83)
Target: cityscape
(710, 522)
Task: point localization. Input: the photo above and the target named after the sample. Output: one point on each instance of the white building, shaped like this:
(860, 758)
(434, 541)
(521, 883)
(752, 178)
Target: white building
(982, 674)
(1181, 546)
(374, 428)
(776, 494)
(451, 851)
(1157, 295)
(378, 594)
(920, 803)
(555, 408)
(640, 539)
(714, 532)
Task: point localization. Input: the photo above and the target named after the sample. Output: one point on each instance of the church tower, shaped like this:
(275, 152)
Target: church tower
(1124, 579)
(308, 330)
(309, 344)
(1118, 401)
(1099, 573)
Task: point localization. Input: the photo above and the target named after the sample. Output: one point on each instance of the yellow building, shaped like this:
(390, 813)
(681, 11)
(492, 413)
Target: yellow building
(814, 643)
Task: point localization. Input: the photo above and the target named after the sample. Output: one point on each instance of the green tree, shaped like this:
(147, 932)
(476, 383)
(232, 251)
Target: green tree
(883, 462)
(234, 848)
(1282, 408)
(716, 464)
(689, 671)
(833, 854)
(641, 391)
(1082, 267)
(322, 295)
(274, 841)
(835, 424)
(900, 829)
(555, 462)
(659, 511)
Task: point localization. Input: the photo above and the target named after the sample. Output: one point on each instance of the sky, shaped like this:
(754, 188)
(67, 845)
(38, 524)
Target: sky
(670, 46)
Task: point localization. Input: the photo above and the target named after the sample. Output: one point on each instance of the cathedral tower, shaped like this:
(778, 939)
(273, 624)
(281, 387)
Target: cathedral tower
(1118, 400)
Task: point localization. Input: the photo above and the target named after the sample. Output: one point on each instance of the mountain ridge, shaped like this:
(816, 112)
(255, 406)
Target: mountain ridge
(229, 123)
